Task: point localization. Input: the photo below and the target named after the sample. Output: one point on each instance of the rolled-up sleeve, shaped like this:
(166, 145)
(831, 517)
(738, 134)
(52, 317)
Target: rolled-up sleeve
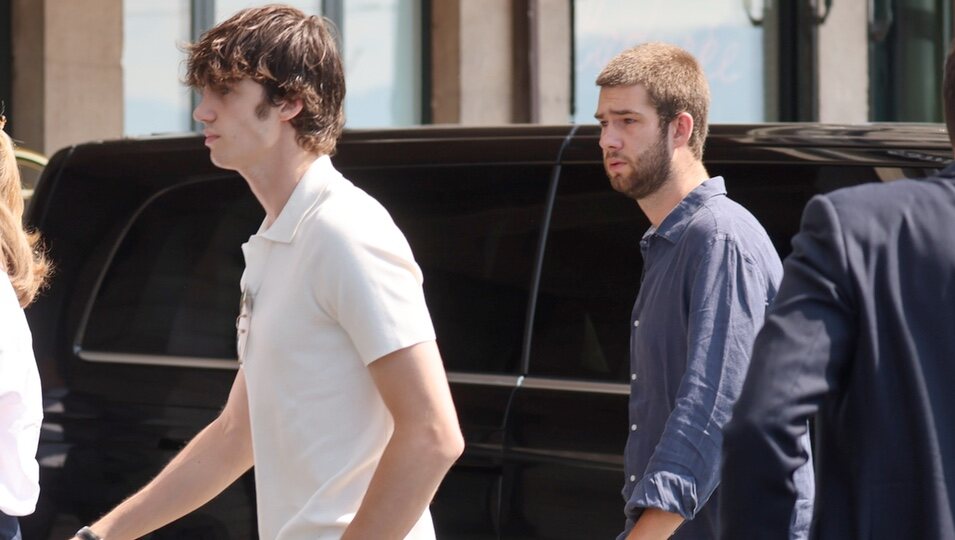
(726, 305)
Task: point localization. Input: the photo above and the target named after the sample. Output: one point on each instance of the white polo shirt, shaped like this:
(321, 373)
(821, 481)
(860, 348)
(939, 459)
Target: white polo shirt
(21, 408)
(333, 287)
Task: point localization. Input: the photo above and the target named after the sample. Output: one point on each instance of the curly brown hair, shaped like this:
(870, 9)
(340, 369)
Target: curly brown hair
(291, 54)
(674, 82)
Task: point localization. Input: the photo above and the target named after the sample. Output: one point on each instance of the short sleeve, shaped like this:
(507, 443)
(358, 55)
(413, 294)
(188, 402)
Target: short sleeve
(370, 282)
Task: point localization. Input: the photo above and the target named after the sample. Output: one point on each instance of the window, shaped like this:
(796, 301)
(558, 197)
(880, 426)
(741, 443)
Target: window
(172, 288)
(908, 40)
(474, 231)
(592, 261)
(155, 100)
(589, 280)
(226, 8)
(382, 54)
(718, 34)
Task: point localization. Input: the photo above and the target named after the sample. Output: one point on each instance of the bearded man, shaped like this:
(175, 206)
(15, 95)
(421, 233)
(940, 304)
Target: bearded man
(709, 273)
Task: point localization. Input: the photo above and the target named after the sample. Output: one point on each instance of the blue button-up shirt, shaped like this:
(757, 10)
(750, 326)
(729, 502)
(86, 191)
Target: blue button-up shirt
(710, 271)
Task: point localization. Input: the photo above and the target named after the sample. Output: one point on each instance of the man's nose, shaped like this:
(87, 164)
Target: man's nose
(609, 140)
(202, 112)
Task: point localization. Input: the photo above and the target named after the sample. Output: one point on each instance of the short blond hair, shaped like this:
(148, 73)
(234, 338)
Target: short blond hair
(674, 82)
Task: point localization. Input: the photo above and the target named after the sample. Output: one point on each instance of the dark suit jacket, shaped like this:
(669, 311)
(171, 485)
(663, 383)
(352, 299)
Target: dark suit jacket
(861, 335)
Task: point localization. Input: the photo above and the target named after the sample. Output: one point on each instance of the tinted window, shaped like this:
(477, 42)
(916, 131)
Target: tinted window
(777, 194)
(172, 287)
(590, 278)
(474, 230)
(592, 264)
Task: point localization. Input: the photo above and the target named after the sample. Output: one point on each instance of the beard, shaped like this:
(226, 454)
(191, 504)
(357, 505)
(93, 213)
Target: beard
(650, 172)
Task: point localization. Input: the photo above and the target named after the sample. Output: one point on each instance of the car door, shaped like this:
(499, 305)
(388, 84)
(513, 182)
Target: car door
(473, 218)
(566, 431)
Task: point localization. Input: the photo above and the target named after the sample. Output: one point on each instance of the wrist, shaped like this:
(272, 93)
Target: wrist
(87, 534)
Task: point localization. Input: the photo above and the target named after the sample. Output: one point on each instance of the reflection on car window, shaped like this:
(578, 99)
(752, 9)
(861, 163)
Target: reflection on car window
(173, 285)
(474, 231)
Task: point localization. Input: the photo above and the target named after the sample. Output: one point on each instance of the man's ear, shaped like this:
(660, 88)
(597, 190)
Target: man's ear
(682, 129)
(289, 109)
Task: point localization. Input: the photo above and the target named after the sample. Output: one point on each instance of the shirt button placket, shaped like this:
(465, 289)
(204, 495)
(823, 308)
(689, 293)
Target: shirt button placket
(633, 376)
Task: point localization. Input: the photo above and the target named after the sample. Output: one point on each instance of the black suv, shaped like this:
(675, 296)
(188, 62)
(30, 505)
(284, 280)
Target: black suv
(531, 265)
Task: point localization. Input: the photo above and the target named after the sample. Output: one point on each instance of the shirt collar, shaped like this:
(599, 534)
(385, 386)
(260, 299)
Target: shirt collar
(306, 195)
(676, 221)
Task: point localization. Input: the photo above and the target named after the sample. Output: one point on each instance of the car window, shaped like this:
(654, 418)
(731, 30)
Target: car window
(776, 194)
(589, 280)
(592, 262)
(474, 230)
(172, 286)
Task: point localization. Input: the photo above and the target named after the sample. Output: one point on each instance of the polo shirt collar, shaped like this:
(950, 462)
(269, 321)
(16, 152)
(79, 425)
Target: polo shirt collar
(677, 220)
(307, 193)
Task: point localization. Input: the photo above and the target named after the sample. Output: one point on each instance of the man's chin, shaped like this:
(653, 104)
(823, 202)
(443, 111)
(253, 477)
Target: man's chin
(619, 182)
(219, 162)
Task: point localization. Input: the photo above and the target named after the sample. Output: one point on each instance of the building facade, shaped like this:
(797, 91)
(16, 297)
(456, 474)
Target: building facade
(72, 71)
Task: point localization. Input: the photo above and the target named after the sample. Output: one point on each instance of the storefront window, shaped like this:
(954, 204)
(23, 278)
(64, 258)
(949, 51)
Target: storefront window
(155, 100)
(908, 40)
(382, 62)
(381, 53)
(226, 8)
(718, 33)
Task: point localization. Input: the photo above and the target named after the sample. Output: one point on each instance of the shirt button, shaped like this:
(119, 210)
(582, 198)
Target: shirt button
(633, 427)
(633, 478)
(636, 324)
(633, 376)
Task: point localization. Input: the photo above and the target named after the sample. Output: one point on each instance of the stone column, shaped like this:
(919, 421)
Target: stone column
(500, 61)
(843, 54)
(67, 71)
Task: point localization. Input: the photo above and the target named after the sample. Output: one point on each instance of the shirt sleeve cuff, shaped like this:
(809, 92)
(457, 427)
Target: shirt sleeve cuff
(664, 490)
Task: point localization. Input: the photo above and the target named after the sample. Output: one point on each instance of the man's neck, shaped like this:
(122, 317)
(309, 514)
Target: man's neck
(684, 178)
(273, 180)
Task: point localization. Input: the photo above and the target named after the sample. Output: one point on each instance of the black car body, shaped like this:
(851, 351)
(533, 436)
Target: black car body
(531, 265)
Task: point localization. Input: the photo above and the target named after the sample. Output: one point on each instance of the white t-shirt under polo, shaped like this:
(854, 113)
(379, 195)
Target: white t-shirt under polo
(333, 287)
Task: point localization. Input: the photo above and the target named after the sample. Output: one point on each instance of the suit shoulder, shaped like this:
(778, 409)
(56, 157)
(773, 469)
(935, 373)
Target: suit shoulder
(893, 195)
(887, 207)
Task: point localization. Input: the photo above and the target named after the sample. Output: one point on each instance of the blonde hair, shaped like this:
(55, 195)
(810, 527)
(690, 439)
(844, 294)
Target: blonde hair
(674, 82)
(22, 258)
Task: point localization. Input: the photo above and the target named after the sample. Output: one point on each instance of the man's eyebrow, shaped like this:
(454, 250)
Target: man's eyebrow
(618, 112)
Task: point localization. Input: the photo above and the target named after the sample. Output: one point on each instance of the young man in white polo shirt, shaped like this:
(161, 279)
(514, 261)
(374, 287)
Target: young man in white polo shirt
(341, 398)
